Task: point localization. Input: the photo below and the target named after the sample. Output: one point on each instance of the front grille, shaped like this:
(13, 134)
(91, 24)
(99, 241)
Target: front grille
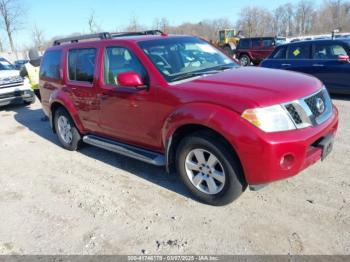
(12, 85)
(312, 103)
(310, 111)
(294, 114)
(11, 81)
(12, 94)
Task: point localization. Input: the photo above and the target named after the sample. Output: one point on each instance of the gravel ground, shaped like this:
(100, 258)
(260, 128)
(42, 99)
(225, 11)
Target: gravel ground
(53, 201)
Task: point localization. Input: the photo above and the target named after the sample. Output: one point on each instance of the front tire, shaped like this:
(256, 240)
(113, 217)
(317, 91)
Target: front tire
(209, 169)
(66, 130)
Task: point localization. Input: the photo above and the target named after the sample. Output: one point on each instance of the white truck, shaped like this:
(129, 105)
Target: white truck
(13, 88)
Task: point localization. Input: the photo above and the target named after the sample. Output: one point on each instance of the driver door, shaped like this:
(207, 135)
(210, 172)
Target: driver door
(127, 114)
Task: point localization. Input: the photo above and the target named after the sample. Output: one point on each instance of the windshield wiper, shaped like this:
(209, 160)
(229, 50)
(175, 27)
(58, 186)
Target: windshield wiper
(193, 74)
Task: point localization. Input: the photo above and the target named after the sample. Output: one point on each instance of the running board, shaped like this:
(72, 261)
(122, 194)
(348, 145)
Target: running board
(126, 150)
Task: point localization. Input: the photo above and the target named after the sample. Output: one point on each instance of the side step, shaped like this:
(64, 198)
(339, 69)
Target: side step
(126, 150)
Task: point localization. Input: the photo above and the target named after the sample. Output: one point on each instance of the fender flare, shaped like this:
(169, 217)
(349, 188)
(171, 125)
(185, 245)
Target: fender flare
(210, 116)
(59, 97)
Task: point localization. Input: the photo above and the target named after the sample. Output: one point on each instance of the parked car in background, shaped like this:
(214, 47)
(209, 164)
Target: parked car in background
(176, 101)
(328, 60)
(13, 88)
(254, 50)
(19, 64)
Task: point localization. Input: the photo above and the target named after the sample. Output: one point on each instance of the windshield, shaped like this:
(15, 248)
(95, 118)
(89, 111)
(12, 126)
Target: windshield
(181, 58)
(4, 65)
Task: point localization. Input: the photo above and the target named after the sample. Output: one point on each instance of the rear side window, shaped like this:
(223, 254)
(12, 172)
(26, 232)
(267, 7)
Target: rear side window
(268, 42)
(299, 52)
(280, 53)
(256, 43)
(328, 51)
(244, 43)
(81, 64)
(50, 65)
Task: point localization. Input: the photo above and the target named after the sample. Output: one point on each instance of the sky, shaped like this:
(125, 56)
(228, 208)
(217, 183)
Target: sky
(63, 17)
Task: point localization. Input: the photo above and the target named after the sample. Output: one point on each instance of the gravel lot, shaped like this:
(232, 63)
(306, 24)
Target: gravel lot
(53, 201)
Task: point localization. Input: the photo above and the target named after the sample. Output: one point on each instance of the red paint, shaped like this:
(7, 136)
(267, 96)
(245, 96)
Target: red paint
(149, 117)
(129, 79)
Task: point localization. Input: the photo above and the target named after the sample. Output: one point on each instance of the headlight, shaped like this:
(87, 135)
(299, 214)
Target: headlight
(269, 119)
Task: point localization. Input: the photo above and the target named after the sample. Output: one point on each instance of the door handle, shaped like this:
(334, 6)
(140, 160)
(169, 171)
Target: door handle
(286, 64)
(318, 65)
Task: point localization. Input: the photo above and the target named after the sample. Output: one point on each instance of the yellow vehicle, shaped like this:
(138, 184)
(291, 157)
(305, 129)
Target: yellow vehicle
(228, 40)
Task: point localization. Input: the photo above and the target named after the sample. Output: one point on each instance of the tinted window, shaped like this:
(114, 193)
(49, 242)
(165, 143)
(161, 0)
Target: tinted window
(119, 60)
(299, 52)
(268, 42)
(244, 43)
(328, 51)
(280, 53)
(50, 66)
(81, 64)
(256, 43)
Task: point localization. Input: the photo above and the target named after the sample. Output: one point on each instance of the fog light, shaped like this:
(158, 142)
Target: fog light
(287, 161)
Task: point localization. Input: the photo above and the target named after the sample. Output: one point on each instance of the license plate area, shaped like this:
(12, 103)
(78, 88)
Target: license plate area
(327, 146)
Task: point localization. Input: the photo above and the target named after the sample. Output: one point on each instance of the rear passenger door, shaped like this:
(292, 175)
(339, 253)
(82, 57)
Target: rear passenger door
(299, 58)
(333, 73)
(81, 83)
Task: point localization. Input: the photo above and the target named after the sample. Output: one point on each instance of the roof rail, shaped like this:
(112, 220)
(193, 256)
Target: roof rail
(75, 39)
(148, 32)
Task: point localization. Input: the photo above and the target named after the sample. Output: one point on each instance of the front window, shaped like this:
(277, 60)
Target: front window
(120, 60)
(4, 65)
(181, 58)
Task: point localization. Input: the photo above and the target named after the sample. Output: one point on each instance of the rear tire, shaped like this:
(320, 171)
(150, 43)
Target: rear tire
(66, 130)
(245, 60)
(209, 169)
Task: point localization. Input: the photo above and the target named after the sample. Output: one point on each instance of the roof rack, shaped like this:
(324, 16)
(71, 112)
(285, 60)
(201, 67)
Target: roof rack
(148, 32)
(75, 39)
(105, 35)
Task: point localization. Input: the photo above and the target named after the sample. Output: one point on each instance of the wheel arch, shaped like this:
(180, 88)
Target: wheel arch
(55, 105)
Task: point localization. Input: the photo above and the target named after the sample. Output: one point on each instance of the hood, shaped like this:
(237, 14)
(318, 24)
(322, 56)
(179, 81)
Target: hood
(8, 73)
(249, 87)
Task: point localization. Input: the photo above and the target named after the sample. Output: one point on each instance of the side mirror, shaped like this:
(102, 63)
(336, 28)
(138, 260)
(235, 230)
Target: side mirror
(343, 59)
(130, 79)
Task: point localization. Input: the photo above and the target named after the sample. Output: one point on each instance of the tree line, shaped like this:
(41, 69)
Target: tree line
(291, 19)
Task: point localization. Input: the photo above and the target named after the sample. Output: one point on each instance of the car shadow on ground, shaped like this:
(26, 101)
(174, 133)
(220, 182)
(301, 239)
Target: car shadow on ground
(340, 97)
(31, 118)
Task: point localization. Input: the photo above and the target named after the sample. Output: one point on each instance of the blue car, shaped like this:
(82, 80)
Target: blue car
(328, 60)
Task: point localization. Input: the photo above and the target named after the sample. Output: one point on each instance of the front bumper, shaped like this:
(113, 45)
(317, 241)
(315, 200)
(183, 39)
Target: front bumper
(263, 154)
(17, 94)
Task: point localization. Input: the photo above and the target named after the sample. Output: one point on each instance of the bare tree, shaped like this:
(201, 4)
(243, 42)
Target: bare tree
(93, 26)
(304, 14)
(38, 37)
(11, 14)
(161, 24)
(134, 25)
(255, 21)
(1, 46)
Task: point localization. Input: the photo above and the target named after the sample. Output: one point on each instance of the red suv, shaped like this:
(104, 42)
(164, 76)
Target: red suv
(177, 101)
(254, 50)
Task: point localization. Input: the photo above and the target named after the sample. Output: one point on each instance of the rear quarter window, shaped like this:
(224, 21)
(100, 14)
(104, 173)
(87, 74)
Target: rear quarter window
(50, 65)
